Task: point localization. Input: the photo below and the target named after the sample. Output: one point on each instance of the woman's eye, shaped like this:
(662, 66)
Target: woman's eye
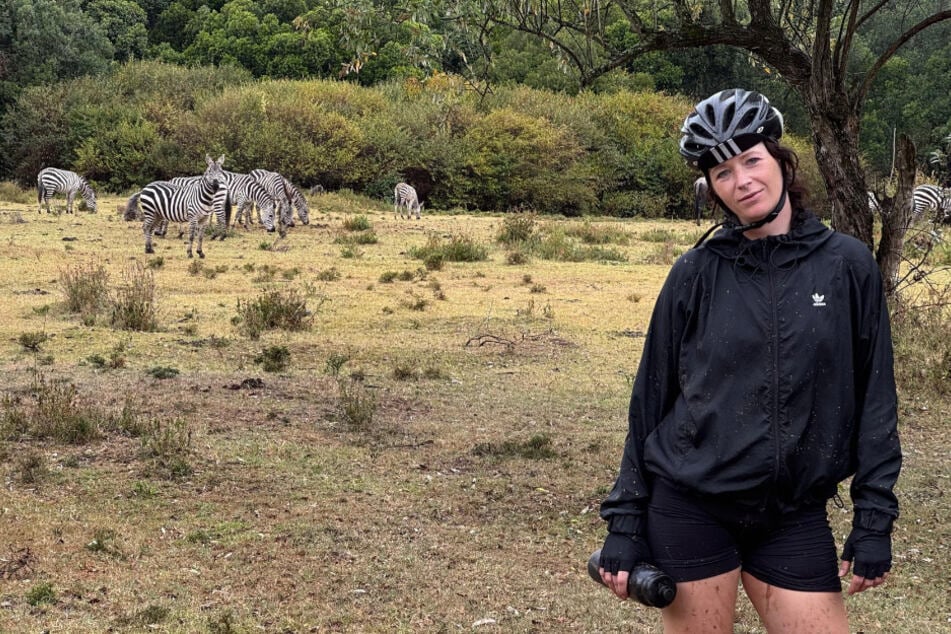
(721, 175)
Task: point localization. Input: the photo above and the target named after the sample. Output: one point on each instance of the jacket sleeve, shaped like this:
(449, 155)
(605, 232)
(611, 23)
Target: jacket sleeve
(656, 387)
(877, 450)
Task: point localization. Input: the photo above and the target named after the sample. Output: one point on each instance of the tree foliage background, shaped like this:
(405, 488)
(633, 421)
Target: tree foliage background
(47, 48)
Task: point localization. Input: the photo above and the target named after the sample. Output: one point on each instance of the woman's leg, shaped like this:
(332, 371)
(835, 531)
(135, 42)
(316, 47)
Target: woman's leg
(795, 612)
(707, 605)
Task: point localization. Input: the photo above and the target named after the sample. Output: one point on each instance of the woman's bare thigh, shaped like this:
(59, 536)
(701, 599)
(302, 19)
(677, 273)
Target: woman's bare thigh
(793, 612)
(707, 605)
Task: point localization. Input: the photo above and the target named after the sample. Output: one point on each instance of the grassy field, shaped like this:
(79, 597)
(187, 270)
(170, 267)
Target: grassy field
(426, 452)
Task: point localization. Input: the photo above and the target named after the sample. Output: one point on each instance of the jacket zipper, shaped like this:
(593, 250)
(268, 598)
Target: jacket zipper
(774, 333)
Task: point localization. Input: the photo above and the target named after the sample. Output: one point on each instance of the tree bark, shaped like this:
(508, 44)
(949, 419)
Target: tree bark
(837, 153)
(897, 216)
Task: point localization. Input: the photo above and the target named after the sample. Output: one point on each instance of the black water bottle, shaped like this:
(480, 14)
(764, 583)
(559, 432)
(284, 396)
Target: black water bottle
(647, 584)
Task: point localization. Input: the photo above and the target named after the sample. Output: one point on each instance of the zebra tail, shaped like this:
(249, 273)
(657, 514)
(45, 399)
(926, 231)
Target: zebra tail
(132, 207)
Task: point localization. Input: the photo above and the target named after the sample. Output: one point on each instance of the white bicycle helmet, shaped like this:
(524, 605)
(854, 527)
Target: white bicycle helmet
(726, 124)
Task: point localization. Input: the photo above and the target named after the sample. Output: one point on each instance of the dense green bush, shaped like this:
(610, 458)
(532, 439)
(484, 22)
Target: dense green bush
(513, 149)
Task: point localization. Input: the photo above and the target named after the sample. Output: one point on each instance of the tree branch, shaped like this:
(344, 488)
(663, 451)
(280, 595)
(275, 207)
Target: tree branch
(866, 84)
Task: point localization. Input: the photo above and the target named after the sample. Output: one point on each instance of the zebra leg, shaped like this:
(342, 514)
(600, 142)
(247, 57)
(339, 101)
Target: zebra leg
(147, 225)
(191, 237)
(201, 234)
(69, 202)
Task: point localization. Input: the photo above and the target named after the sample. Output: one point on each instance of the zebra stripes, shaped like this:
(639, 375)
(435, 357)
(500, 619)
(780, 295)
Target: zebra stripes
(192, 202)
(273, 184)
(52, 180)
(932, 198)
(299, 202)
(248, 193)
(405, 199)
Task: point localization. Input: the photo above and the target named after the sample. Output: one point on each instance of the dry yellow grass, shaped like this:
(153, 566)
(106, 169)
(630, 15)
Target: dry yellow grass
(427, 520)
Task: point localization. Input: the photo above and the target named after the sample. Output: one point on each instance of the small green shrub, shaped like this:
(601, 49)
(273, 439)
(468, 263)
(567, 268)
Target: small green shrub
(274, 358)
(163, 372)
(357, 223)
(41, 593)
(86, 288)
(538, 447)
(133, 307)
(30, 466)
(168, 446)
(329, 275)
(59, 415)
(32, 340)
(403, 372)
(104, 542)
(273, 309)
(335, 362)
(518, 228)
(456, 249)
(356, 405)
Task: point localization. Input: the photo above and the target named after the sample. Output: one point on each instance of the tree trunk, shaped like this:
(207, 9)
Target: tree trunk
(897, 215)
(837, 154)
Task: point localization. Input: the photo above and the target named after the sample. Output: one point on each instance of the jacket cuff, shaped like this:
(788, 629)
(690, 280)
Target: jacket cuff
(874, 521)
(626, 524)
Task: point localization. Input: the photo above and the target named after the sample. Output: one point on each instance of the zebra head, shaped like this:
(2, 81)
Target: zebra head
(89, 196)
(214, 175)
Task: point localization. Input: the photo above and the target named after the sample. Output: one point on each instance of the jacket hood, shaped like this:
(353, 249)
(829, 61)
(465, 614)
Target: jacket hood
(807, 234)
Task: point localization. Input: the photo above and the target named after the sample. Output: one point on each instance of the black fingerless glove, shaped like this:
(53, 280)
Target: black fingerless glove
(871, 551)
(623, 552)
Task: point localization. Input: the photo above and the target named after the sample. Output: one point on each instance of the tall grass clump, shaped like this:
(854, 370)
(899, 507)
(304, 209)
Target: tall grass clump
(356, 405)
(920, 327)
(134, 307)
(272, 310)
(60, 415)
(86, 287)
(518, 228)
(557, 245)
(168, 446)
(459, 248)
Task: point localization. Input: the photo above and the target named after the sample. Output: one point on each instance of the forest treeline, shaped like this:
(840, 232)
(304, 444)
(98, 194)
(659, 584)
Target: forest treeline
(517, 148)
(57, 57)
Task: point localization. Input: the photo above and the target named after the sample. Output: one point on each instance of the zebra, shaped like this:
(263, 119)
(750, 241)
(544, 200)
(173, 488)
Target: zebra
(248, 193)
(405, 199)
(52, 180)
(701, 197)
(299, 202)
(931, 197)
(192, 203)
(316, 190)
(274, 184)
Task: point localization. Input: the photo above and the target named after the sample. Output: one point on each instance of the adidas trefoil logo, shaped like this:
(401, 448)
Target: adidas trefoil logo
(818, 300)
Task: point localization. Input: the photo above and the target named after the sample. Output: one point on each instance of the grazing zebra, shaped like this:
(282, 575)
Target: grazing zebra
(299, 202)
(701, 197)
(931, 197)
(274, 184)
(52, 180)
(192, 203)
(247, 193)
(316, 190)
(405, 199)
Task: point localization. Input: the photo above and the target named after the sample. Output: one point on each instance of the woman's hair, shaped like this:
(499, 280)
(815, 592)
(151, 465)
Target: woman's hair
(789, 162)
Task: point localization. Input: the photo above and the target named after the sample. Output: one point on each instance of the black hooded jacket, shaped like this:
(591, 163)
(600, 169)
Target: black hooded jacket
(766, 378)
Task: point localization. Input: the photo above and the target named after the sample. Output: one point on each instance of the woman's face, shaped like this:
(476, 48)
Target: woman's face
(749, 184)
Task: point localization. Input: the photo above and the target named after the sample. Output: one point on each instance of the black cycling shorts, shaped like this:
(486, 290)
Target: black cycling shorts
(693, 538)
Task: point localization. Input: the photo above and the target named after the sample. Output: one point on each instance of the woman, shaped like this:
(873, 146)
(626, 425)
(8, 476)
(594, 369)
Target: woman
(766, 380)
